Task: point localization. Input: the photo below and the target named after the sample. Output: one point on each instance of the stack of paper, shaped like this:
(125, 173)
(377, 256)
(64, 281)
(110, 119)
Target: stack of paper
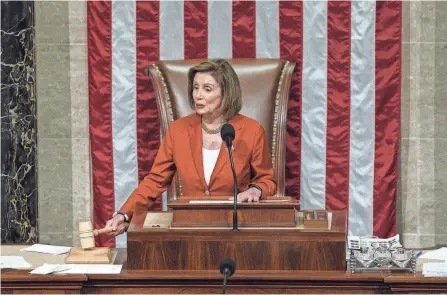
(48, 249)
(434, 269)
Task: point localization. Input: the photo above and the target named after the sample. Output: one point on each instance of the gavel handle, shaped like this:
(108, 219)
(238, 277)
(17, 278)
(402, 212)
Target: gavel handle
(102, 231)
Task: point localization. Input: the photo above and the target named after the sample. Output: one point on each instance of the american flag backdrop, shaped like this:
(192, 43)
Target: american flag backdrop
(343, 113)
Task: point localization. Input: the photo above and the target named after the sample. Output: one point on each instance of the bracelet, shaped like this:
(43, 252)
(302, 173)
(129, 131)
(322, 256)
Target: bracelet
(126, 218)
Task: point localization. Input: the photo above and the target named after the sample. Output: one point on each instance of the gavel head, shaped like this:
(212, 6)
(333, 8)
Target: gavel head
(86, 236)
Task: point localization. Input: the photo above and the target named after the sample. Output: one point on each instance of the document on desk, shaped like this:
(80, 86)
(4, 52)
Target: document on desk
(49, 268)
(231, 202)
(92, 269)
(274, 201)
(210, 202)
(47, 249)
(15, 262)
(439, 254)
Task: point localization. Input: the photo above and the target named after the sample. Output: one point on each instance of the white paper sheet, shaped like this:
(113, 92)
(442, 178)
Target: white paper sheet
(210, 202)
(13, 262)
(49, 268)
(232, 202)
(439, 254)
(92, 269)
(48, 249)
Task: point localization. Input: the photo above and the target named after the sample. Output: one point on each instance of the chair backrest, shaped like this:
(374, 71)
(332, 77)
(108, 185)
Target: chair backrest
(265, 87)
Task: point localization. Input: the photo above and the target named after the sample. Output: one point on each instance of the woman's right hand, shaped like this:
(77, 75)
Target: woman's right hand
(118, 225)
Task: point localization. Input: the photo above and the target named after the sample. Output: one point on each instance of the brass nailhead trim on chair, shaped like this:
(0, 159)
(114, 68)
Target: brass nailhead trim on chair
(171, 116)
(180, 189)
(275, 117)
(168, 99)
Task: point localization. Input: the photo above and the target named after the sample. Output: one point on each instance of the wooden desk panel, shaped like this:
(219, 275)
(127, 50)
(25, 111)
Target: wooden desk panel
(409, 284)
(163, 282)
(21, 282)
(266, 249)
(181, 282)
(251, 249)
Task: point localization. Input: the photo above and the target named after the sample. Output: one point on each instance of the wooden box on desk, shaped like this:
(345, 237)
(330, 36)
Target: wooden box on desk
(253, 248)
(313, 219)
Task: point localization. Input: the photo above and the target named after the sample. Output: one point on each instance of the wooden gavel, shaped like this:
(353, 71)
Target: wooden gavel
(87, 234)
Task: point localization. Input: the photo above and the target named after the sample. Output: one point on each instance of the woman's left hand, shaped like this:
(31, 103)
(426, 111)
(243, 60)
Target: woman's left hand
(250, 195)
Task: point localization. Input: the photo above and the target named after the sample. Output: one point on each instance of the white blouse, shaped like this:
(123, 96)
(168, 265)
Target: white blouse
(209, 161)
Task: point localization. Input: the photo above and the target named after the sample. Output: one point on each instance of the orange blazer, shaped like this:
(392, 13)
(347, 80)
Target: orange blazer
(181, 152)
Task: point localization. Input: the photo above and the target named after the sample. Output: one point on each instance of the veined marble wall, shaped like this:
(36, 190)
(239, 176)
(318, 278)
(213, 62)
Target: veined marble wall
(62, 91)
(64, 171)
(18, 124)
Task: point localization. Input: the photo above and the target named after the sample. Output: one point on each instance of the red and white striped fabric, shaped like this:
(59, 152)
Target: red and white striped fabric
(344, 108)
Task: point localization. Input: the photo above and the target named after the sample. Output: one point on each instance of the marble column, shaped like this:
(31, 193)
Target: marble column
(422, 206)
(18, 124)
(54, 122)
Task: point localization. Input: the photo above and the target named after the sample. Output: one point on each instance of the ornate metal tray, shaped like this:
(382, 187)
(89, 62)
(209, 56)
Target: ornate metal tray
(382, 256)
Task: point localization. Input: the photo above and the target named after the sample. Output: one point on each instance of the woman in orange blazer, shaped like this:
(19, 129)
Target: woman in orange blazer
(193, 147)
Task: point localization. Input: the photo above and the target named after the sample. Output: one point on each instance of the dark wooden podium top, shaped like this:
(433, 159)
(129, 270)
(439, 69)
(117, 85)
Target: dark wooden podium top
(339, 220)
(218, 212)
(270, 202)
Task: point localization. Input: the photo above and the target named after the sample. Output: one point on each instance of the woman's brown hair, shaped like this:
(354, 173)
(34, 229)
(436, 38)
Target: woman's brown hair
(228, 80)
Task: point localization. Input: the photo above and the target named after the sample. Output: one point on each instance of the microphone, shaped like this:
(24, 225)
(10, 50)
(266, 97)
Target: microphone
(227, 269)
(227, 133)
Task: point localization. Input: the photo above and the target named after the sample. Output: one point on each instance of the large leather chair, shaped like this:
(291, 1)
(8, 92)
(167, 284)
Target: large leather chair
(265, 87)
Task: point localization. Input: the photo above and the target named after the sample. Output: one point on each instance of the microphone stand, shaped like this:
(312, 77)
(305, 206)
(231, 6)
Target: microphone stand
(224, 288)
(229, 146)
(227, 268)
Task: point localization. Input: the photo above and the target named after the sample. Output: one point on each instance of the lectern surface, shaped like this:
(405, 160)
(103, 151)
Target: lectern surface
(218, 212)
